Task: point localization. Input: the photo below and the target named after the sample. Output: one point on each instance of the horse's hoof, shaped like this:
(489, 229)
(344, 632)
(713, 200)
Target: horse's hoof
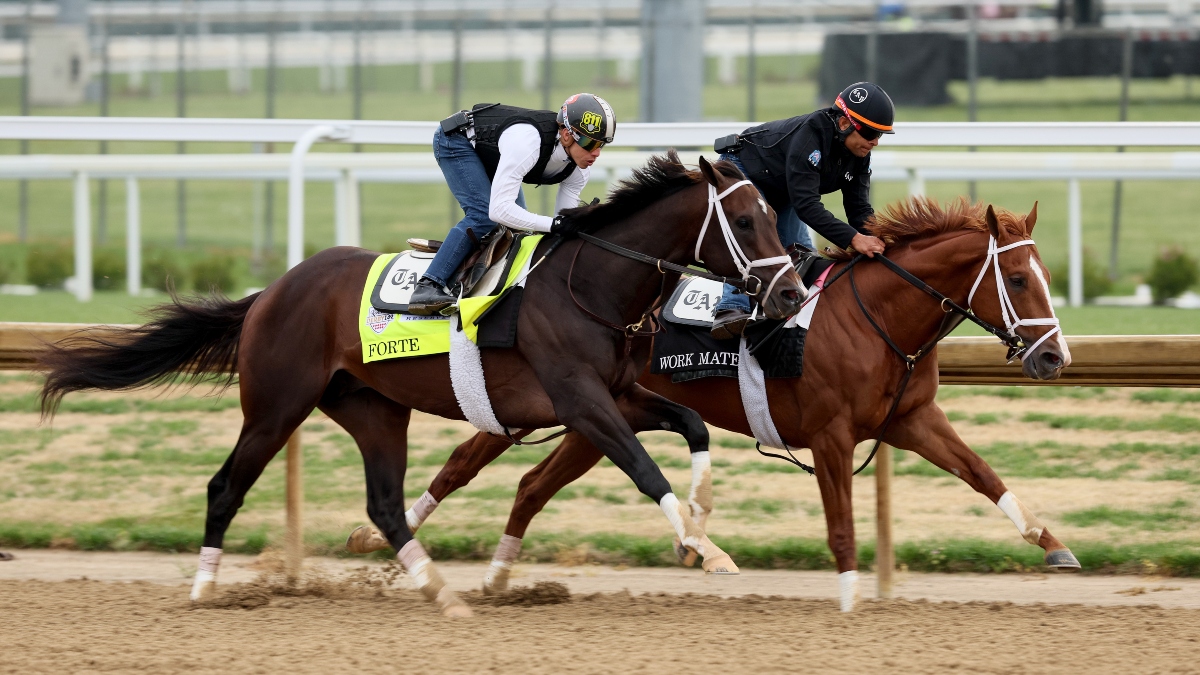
(495, 580)
(365, 539)
(451, 605)
(1062, 559)
(203, 590)
(720, 564)
(686, 556)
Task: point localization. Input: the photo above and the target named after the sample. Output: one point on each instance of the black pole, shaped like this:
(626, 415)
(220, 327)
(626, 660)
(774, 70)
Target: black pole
(972, 78)
(1118, 188)
(457, 85)
(358, 74)
(751, 69)
(23, 186)
(180, 111)
(102, 196)
(873, 44)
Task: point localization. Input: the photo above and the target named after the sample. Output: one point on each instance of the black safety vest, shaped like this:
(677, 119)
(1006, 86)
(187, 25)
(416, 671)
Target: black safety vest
(492, 119)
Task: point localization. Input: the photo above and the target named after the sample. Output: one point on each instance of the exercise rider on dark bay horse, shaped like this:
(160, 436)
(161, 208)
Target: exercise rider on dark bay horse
(794, 161)
(296, 346)
(979, 259)
(487, 153)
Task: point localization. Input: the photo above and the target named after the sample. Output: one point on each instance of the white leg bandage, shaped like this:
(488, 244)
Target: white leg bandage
(1027, 524)
(689, 534)
(206, 572)
(848, 589)
(419, 566)
(700, 496)
(420, 511)
(496, 577)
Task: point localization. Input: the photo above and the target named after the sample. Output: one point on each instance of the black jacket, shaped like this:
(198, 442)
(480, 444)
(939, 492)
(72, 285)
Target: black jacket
(491, 120)
(795, 161)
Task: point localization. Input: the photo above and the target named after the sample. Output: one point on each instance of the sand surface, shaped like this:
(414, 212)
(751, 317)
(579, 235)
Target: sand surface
(350, 615)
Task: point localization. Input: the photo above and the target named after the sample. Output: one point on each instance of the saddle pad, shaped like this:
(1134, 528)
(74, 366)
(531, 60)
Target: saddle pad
(389, 335)
(688, 352)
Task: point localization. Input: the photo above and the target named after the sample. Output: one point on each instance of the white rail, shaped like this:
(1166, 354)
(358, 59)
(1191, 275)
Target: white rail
(346, 169)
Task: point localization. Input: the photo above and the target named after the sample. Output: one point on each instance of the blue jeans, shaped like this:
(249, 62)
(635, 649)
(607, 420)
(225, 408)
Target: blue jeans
(469, 183)
(791, 230)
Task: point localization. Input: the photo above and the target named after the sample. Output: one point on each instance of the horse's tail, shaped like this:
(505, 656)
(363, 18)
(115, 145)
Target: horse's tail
(193, 338)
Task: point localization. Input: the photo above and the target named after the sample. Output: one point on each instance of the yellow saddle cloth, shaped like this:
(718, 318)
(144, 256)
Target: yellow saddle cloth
(392, 335)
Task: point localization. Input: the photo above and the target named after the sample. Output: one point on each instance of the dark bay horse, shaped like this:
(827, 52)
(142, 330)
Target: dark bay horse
(295, 347)
(850, 379)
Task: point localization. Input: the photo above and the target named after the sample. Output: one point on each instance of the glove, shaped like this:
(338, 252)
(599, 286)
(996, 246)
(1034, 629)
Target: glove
(564, 227)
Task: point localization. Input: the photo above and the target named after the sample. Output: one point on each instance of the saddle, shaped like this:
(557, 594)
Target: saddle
(493, 247)
(480, 274)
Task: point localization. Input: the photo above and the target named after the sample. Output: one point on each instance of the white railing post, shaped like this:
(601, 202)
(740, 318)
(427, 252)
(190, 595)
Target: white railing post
(83, 238)
(295, 244)
(916, 183)
(133, 237)
(1074, 243)
(348, 219)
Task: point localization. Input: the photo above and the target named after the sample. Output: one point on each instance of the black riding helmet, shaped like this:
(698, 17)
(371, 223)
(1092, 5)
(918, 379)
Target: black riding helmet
(590, 119)
(869, 109)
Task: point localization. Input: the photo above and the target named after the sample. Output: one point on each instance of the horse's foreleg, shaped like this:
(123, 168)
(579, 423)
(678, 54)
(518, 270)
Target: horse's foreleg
(573, 457)
(585, 405)
(927, 432)
(646, 410)
(834, 473)
(464, 464)
(380, 427)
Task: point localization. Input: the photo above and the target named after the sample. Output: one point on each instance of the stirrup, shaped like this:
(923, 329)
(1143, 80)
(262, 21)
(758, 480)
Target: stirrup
(733, 325)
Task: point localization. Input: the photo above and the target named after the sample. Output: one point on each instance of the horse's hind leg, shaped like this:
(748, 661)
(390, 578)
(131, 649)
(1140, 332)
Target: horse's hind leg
(380, 427)
(261, 438)
(927, 432)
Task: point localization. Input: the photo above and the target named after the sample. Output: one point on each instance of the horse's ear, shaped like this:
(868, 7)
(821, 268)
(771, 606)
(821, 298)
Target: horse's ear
(1031, 220)
(710, 174)
(993, 223)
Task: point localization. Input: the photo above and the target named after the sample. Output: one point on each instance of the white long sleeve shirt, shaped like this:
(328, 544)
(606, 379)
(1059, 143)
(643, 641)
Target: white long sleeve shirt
(520, 145)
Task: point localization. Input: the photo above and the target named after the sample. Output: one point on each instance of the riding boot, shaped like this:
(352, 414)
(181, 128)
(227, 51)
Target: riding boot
(429, 298)
(729, 323)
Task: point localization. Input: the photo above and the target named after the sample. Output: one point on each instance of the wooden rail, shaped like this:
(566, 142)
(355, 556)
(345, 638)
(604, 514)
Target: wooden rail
(1097, 360)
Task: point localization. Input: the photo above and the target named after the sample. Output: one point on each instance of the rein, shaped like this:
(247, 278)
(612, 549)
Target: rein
(955, 314)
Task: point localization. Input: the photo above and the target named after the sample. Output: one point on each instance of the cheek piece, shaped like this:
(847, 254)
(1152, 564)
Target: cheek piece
(744, 264)
(1007, 311)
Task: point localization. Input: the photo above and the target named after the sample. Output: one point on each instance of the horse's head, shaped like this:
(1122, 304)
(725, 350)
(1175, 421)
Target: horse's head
(1013, 291)
(739, 240)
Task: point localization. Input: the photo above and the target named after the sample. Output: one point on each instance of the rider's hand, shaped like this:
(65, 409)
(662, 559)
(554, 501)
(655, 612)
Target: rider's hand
(564, 227)
(867, 245)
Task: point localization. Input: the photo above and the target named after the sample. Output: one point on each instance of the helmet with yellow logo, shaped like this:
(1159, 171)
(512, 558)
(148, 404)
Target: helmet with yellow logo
(590, 119)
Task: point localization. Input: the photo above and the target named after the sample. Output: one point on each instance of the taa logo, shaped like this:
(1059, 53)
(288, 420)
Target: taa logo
(590, 122)
(858, 95)
(404, 279)
(698, 301)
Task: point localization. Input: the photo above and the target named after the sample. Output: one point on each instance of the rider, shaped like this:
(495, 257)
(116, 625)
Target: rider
(794, 161)
(487, 153)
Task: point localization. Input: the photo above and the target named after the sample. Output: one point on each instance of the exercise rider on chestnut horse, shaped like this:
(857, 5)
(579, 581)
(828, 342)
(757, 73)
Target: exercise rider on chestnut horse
(296, 346)
(979, 259)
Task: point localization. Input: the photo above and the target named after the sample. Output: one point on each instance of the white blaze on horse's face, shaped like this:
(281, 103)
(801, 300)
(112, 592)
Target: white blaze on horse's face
(1041, 275)
(762, 204)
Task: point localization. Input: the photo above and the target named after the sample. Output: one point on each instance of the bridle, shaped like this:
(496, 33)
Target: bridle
(955, 314)
(743, 263)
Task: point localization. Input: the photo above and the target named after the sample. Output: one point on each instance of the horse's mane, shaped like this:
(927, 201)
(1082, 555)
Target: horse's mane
(923, 217)
(661, 177)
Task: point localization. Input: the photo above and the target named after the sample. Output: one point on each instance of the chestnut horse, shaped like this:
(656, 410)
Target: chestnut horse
(296, 346)
(850, 379)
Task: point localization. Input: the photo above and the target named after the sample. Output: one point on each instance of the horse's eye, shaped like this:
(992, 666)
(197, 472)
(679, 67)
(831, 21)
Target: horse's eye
(743, 223)
(1017, 282)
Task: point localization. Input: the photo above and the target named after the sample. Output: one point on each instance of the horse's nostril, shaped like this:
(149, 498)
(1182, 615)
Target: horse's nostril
(791, 296)
(1052, 359)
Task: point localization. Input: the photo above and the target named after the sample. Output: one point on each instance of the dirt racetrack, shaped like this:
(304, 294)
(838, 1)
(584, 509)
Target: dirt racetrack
(368, 620)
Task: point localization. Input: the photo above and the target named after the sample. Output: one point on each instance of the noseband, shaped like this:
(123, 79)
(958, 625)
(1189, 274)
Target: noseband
(1007, 312)
(744, 264)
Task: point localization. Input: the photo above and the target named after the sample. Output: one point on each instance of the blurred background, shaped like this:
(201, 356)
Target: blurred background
(654, 60)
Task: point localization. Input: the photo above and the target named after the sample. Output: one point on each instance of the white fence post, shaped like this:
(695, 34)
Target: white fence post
(133, 237)
(295, 244)
(916, 183)
(83, 238)
(348, 215)
(1074, 243)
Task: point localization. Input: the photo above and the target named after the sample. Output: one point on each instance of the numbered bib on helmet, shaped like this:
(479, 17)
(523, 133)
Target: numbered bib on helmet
(396, 285)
